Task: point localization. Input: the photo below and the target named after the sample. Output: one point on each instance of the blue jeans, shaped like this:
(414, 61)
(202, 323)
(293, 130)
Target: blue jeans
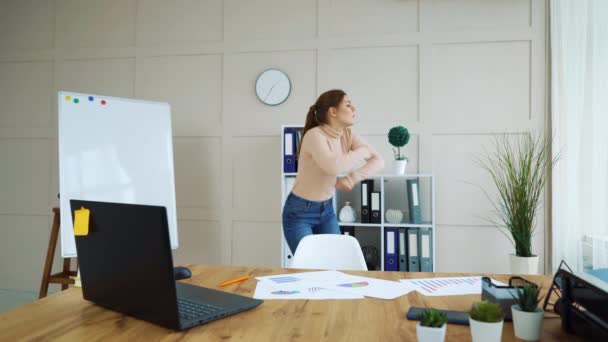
(302, 217)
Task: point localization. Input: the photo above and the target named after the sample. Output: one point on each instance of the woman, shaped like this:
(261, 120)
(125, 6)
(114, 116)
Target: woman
(329, 148)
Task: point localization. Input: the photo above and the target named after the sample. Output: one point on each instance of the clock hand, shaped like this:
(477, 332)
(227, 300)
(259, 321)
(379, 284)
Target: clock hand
(270, 91)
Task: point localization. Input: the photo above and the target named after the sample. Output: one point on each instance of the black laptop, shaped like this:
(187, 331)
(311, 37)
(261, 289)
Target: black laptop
(126, 265)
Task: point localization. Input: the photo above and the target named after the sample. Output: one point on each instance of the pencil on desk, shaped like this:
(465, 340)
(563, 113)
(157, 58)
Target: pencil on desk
(235, 280)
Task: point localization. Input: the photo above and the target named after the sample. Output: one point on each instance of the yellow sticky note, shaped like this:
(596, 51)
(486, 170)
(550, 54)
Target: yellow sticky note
(81, 221)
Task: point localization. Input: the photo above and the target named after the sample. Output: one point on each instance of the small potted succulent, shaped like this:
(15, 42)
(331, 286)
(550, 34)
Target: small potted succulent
(431, 327)
(399, 136)
(486, 321)
(527, 316)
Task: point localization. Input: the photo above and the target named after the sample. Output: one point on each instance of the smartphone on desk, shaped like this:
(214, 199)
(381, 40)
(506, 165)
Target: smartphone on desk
(455, 317)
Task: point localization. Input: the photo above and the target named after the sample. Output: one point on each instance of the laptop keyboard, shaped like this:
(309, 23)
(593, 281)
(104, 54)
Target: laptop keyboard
(191, 310)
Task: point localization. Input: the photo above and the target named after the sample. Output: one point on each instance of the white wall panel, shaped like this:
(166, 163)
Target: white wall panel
(479, 14)
(26, 169)
(96, 23)
(25, 94)
(480, 84)
(191, 85)
(26, 24)
(110, 77)
(198, 175)
(199, 243)
(180, 22)
(270, 19)
(381, 82)
(369, 17)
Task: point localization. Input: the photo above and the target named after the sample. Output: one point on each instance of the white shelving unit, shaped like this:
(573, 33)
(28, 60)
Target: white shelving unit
(393, 191)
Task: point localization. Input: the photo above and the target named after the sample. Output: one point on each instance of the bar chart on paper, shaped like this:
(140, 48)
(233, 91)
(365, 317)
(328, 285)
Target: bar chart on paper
(451, 286)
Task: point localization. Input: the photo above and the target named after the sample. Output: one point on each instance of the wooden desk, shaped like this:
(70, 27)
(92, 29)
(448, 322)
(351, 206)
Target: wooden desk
(67, 316)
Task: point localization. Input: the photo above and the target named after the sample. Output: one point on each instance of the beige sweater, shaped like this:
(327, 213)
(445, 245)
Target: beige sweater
(325, 153)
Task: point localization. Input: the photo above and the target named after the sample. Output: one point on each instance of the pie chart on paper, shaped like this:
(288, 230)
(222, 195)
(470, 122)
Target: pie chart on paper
(359, 284)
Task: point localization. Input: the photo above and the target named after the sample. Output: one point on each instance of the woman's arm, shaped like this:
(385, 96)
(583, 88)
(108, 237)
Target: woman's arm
(332, 162)
(373, 164)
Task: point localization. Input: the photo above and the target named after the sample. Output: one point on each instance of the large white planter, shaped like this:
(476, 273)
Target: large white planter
(524, 265)
(427, 334)
(527, 325)
(485, 332)
(399, 166)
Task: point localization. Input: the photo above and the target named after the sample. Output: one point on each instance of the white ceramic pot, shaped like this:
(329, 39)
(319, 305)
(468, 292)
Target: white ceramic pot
(485, 332)
(527, 325)
(524, 265)
(428, 334)
(393, 216)
(399, 166)
(347, 214)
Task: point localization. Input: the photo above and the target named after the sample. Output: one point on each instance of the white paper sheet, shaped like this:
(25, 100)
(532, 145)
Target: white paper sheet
(308, 290)
(449, 286)
(295, 278)
(371, 287)
(339, 282)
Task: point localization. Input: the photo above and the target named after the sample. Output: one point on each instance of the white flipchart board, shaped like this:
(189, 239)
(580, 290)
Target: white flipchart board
(114, 150)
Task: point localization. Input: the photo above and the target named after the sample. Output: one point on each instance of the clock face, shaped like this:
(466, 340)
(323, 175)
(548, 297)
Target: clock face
(272, 87)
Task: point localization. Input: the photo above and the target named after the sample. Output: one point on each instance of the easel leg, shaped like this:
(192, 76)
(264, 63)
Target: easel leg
(66, 270)
(48, 264)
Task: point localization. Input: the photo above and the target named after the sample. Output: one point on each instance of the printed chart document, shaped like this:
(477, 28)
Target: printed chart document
(267, 290)
(449, 286)
(332, 282)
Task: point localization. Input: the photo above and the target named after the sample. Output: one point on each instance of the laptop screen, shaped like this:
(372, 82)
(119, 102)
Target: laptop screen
(125, 260)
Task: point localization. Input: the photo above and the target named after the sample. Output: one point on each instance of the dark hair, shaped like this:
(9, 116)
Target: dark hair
(317, 113)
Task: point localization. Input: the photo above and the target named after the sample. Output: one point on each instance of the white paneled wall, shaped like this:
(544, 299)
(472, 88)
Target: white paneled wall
(455, 72)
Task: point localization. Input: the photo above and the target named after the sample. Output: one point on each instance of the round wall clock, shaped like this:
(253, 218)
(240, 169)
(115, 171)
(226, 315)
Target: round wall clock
(272, 87)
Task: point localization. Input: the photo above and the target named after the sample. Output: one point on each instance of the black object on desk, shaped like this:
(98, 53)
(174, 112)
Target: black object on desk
(582, 303)
(180, 273)
(456, 317)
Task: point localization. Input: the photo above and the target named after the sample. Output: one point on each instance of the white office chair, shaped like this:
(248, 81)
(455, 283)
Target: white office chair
(329, 252)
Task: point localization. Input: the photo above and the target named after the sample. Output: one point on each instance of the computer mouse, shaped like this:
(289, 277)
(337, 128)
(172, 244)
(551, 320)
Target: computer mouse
(180, 272)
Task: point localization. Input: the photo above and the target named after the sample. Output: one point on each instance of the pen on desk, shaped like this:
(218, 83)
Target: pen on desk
(235, 280)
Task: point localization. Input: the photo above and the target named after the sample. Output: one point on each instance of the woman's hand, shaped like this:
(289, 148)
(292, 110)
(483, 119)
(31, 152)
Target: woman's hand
(343, 184)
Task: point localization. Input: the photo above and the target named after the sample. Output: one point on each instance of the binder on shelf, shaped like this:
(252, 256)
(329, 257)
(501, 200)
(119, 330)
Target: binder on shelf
(413, 260)
(375, 207)
(402, 249)
(426, 250)
(391, 262)
(347, 230)
(367, 186)
(289, 152)
(298, 138)
(413, 200)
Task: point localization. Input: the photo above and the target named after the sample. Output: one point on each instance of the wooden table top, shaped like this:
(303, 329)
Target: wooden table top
(67, 316)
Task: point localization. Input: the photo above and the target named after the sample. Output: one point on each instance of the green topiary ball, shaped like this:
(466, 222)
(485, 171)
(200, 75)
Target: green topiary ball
(398, 136)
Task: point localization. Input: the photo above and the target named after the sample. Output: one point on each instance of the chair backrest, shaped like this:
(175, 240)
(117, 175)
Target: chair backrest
(329, 252)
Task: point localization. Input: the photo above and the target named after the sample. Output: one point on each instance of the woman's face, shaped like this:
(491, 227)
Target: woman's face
(345, 112)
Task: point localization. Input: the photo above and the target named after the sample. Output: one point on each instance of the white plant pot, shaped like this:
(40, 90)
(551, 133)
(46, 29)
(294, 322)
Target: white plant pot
(399, 166)
(524, 265)
(428, 334)
(485, 332)
(527, 325)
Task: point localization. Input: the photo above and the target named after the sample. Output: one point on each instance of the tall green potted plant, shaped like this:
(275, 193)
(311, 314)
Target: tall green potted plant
(518, 168)
(399, 136)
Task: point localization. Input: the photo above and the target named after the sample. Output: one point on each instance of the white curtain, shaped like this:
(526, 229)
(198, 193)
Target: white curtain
(579, 101)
